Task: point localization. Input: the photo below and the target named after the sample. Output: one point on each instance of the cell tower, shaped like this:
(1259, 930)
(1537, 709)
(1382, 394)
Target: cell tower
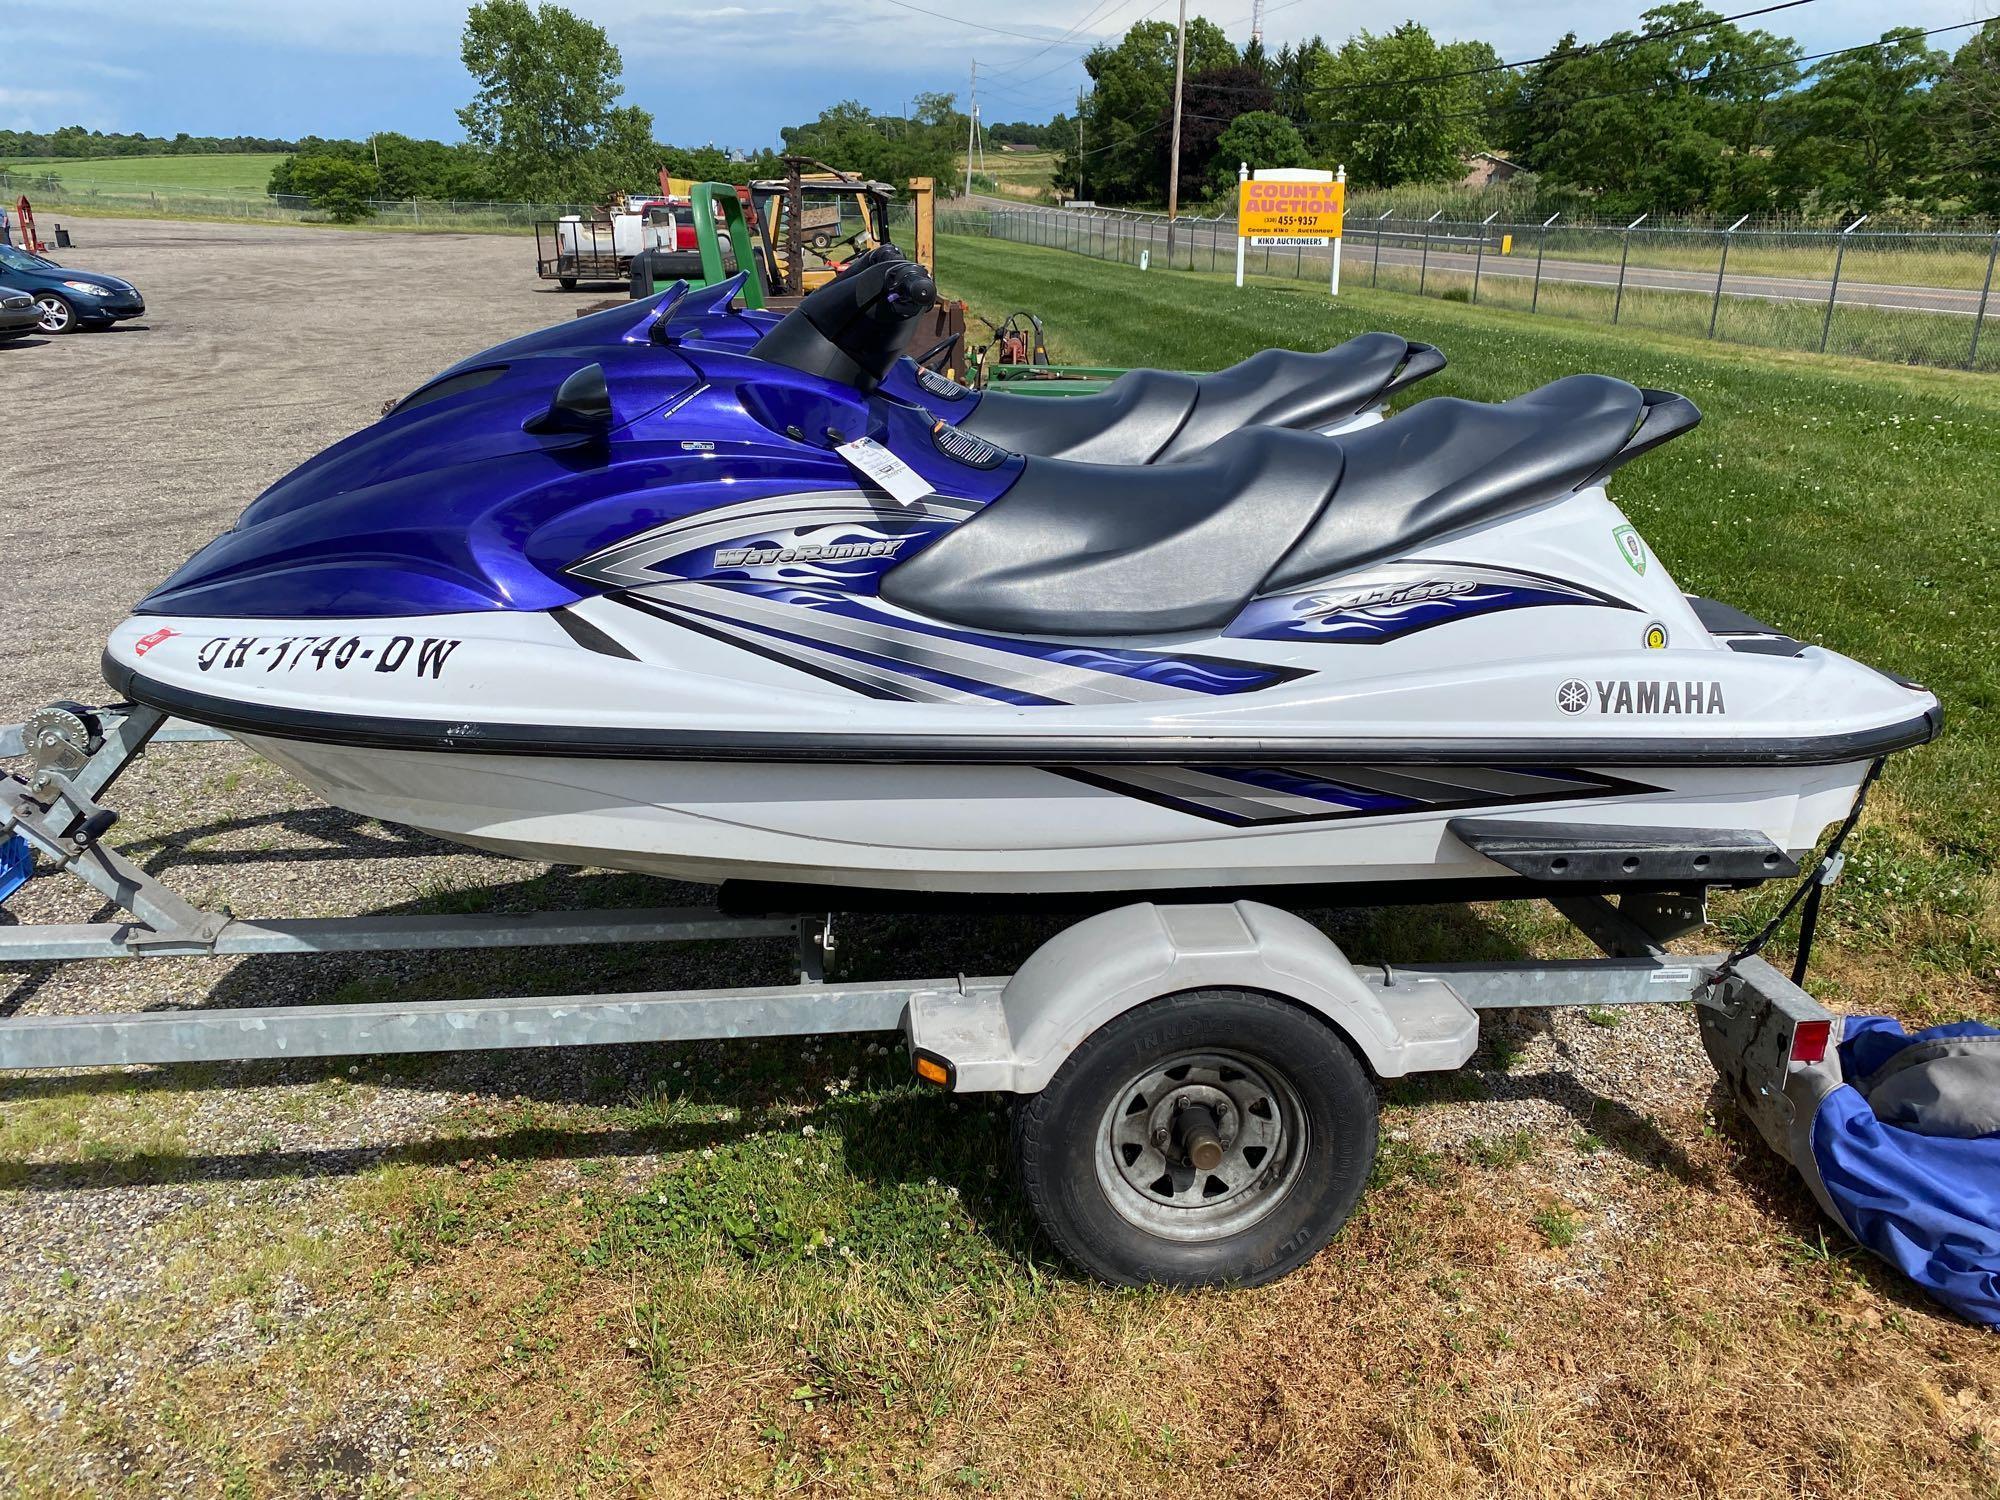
(1257, 23)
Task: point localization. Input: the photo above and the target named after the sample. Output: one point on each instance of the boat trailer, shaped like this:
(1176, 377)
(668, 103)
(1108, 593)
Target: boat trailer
(1003, 1033)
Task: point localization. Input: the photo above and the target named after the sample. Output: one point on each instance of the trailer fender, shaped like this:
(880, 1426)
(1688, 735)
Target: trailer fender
(1109, 963)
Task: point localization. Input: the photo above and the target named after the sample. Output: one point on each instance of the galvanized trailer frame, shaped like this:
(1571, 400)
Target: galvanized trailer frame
(57, 808)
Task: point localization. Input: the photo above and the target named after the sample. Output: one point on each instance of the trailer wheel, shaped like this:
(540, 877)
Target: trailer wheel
(567, 283)
(1208, 1138)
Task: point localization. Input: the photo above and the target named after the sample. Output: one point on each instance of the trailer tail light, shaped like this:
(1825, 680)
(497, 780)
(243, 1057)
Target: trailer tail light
(934, 1069)
(1809, 1039)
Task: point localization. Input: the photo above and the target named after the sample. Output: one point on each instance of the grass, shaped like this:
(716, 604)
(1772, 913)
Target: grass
(1024, 175)
(246, 175)
(1796, 322)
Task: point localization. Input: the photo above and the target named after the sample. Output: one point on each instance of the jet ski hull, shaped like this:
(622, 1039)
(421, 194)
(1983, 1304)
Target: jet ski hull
(1018, 828)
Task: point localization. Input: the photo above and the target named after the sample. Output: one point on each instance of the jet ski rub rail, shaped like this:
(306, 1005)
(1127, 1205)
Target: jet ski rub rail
(456, 737)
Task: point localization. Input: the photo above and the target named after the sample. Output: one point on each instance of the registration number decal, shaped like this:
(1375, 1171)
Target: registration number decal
(421, 656)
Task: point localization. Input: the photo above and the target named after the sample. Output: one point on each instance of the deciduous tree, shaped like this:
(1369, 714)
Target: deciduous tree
(547, 100)
(1391, 111)
(1260, 139)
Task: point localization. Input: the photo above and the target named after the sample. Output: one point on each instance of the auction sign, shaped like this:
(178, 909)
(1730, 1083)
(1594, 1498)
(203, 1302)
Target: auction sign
(1284, 211)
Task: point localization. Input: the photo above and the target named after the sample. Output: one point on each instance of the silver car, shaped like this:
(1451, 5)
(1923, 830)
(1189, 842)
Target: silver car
(18, 314)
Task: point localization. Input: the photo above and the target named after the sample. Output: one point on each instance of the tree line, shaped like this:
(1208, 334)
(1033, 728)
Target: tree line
(546, 125)
(73, 142)
(1690, 112)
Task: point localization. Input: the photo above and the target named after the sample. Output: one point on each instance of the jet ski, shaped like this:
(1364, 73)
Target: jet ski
(1143, 416)
(681, 610)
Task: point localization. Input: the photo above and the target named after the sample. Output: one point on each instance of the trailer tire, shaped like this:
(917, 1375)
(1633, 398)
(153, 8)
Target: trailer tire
(567, 283)
(1295, 1119)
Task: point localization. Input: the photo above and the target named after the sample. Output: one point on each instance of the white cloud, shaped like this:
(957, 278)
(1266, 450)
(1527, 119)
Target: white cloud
(33, 108)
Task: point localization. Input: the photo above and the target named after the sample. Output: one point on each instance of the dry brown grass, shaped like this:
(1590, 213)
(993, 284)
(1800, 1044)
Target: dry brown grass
(1694, 1341)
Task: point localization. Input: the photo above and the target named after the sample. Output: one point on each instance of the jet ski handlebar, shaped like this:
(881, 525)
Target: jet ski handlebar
(854, 328)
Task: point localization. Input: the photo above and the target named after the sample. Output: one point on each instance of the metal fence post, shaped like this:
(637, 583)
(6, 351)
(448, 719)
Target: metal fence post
(1840, 254)
(1424, 267)
(1985, 292)
(1721, 266)
(1479, 254)
(1541, 244)
(1375, 271)
(1624, 255)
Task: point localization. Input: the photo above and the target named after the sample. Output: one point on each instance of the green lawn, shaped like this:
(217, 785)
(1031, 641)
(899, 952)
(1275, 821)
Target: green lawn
(224, 176)
(1849, 503)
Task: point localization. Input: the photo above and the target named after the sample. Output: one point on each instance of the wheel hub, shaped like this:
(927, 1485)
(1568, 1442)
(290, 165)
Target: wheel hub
(1200, 1146)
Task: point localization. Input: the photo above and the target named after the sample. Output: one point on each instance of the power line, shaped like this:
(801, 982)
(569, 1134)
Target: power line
(961, 21)
(1090, 16)
(1590, 50)
(1095, 42)
(1649, 88)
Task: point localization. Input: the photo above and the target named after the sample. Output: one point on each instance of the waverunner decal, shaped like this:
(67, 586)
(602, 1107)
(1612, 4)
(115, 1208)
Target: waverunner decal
(1389, 603)
(864, 645)
(1256, 796)
(825, 536)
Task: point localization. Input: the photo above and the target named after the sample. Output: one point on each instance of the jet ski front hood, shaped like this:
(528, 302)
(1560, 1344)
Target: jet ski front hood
(427, 510)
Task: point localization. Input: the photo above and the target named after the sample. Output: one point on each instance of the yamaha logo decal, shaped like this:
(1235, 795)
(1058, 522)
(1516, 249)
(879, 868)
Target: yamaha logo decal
(1640, 697)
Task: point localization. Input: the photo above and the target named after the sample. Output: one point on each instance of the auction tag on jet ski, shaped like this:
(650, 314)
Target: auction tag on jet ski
(904, 484)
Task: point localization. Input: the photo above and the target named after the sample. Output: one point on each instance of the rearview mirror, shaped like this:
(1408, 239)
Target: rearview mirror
(582, 404)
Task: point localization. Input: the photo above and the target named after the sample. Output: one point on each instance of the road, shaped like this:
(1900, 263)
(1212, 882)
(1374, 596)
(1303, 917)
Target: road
(1406, 249)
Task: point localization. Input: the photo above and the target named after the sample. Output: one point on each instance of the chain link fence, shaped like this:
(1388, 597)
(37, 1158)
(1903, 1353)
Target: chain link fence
(1913, 297)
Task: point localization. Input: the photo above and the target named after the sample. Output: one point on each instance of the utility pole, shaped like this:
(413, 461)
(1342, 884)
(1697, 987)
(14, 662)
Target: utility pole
(1174, 161)
(971, 127)
(1080, 193)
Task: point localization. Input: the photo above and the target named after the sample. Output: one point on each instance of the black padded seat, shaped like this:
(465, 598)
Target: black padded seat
(1127, 422)
(1447, 464)
(1285, 388)
(1086, 549)
(1150, 416)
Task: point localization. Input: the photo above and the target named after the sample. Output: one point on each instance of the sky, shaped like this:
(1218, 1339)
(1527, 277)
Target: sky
(731, 73)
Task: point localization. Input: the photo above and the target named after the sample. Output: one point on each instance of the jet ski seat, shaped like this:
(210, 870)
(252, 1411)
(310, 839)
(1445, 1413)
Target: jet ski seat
(1097, 549)
(1077, 549)
(1149, 416)
(1447, 464)
(1127, 422)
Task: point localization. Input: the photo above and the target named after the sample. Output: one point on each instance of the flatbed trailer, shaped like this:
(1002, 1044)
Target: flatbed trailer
(1277, 1030)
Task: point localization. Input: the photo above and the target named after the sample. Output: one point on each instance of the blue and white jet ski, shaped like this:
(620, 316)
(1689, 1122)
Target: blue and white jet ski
(668, 606)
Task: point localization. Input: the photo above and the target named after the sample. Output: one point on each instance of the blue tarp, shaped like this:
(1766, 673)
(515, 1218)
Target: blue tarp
(1927, 1204)
(17, 863)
